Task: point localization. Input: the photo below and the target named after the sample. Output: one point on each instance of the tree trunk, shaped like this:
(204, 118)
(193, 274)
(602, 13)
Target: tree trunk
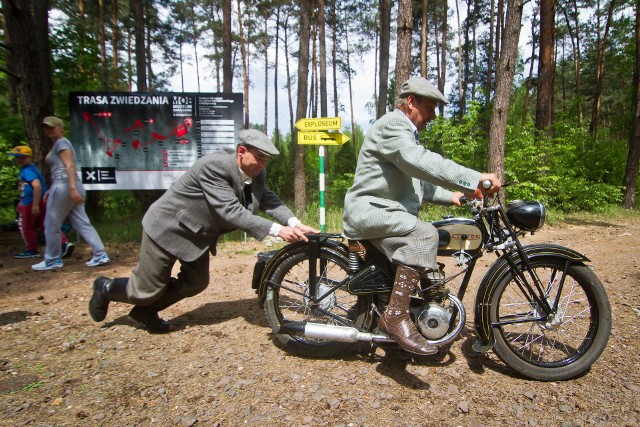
(137, 10)
(334, 56)
(633, 156)
(115, 37)
(597, 96)
(275, 78)
(506, 68)
(546, 69)
(196, 36)
(460, 91)
(403, 49)
(28, 30)
(490, 44)
(299, 185)
(227, 62)
(442, 77)
(474, 78)
(149, 59)
(286, 58)
(149, 56)
(574, 34)
(266, 71)
(324, 102)
(424, 41)
(529, 84)
(498, 49)
(245, 72)
(103, 46)
(313, 103)
(353, 124)
(385, 40)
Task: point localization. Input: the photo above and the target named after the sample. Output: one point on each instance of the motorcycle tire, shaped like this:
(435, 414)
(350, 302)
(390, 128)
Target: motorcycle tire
(288, 300)
(565, 346)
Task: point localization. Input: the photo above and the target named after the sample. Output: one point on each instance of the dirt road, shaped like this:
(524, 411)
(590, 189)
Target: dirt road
(222, 368)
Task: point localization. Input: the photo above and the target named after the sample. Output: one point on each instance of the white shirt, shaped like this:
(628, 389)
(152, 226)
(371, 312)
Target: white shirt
(275, 227)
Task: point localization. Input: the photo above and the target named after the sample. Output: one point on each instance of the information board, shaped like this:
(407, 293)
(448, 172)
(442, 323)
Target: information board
(146, 141)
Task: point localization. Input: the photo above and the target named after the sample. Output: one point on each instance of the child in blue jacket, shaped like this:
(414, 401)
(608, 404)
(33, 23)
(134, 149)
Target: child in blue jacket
(31, 208)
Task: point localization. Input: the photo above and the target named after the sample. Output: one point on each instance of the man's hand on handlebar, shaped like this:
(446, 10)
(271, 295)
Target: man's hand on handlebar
(489, 184)
(458, 198)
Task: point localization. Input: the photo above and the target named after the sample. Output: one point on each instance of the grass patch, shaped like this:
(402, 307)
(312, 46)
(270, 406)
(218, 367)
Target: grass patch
(125, 229)
(33, 386)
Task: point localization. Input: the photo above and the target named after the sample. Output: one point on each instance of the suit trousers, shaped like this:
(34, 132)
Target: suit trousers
(151, 278)
(417, 249)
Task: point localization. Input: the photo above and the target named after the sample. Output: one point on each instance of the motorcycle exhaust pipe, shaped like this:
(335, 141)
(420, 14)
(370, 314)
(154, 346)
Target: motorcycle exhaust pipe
(320, 331)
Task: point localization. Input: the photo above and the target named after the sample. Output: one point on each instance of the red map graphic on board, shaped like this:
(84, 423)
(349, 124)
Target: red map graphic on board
(111, 144)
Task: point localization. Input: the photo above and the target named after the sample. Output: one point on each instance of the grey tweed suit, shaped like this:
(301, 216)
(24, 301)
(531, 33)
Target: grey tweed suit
(395, 174)
(185, 223)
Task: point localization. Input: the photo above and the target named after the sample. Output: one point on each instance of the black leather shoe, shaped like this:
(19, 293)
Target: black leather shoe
(148, 317)
(99, 302)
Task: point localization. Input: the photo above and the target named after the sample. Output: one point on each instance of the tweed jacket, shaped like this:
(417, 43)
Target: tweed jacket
(393, 177)
(208, 201)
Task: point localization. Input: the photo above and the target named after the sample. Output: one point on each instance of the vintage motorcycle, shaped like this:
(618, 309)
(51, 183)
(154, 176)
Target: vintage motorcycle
(540, 308)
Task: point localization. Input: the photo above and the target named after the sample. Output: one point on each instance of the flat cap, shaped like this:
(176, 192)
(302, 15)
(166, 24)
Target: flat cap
(421, 87)
(52, 122)
(21, 151)
(255, 138)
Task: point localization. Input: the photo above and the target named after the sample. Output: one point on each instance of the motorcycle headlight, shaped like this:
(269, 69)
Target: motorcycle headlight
(526, 215)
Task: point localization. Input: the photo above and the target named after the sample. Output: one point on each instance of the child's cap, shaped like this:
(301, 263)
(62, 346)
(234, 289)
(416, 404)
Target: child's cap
(21, 151)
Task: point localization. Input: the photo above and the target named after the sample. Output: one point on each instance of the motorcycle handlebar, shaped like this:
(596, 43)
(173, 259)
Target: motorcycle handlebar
(486, 184)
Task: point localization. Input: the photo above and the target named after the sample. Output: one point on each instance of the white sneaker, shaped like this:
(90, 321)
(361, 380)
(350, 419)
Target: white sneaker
(44, 265)
(99, 260)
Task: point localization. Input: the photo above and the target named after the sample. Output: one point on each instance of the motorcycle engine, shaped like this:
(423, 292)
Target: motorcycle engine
(433, 321)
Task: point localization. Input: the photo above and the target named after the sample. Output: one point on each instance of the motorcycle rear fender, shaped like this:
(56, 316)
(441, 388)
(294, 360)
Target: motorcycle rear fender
(269, 261)
(498, 271)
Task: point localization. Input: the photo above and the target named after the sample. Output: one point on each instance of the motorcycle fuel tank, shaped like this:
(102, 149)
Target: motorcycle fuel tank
(458, 234)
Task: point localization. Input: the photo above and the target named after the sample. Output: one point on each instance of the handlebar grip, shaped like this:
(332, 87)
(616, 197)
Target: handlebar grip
(464, 199)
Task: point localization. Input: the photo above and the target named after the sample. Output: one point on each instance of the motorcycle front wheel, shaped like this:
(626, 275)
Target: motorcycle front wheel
(563, 346)
(289, 299)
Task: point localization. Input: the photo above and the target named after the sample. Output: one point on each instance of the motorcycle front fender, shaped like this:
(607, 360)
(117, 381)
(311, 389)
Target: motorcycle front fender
(496, 272)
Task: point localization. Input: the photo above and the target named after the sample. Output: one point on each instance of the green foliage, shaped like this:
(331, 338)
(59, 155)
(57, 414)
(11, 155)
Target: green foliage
(280, 169)
(8, 178)
(561, 172)
(462, 141)
(574, 171)
(123, 203)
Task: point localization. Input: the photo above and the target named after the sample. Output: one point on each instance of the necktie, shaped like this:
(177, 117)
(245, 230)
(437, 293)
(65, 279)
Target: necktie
(248, 199)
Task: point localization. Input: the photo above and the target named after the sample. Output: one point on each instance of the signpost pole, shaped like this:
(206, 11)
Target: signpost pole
(312, 132)
(323, 227)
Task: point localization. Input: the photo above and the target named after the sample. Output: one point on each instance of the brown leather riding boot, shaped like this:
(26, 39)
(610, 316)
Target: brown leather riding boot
(396, 322)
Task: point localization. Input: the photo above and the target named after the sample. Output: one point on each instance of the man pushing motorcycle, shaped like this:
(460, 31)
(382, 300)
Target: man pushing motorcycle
(394, 175)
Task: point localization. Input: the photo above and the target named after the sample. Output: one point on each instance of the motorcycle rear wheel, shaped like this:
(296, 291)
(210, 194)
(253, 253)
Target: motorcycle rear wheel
(288, 300)
(560, 348)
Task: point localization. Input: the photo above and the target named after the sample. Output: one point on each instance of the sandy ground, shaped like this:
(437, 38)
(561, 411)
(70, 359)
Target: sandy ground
(221, 367)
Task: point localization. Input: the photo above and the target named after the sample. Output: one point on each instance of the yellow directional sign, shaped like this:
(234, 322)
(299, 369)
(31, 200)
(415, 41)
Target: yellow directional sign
(319, 123)
(321, 138)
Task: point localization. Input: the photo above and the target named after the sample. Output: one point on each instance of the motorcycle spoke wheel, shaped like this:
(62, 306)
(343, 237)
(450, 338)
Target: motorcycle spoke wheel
(289, 299)
(558, 347)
